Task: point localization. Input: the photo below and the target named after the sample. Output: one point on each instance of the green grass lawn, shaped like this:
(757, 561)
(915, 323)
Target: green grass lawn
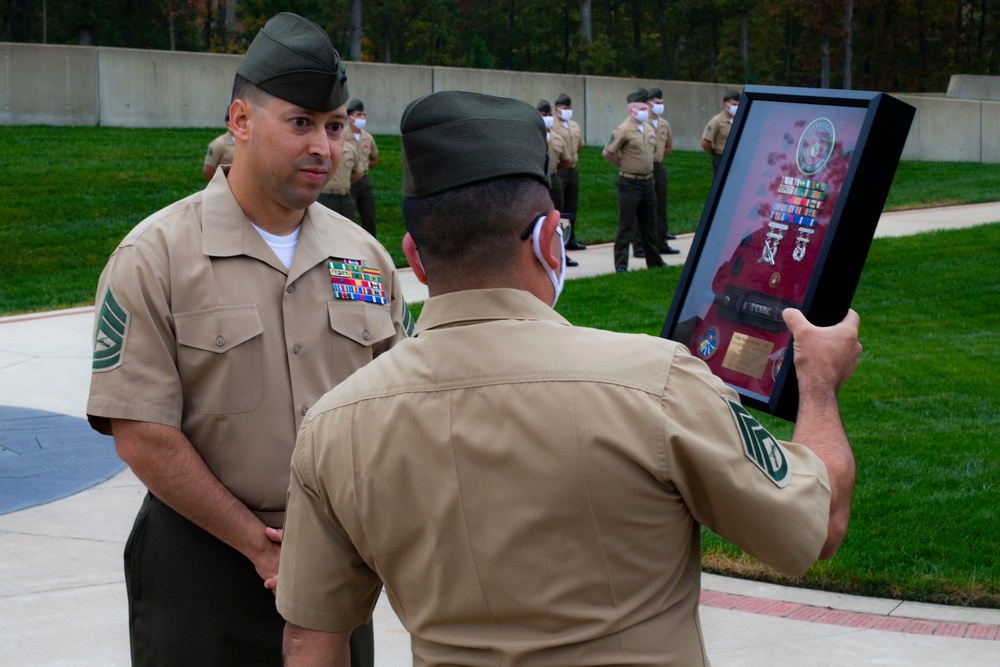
(922, 410)
(69, 194)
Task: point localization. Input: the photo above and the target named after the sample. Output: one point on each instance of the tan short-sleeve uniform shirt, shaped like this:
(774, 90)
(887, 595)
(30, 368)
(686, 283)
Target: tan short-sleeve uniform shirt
(220, 151)
(558, 150)
(366, 148)
(717, 132)
(339, 182)
(636, 149)
(664, 139)
(200, 326)
(573, 136)
(523, 508)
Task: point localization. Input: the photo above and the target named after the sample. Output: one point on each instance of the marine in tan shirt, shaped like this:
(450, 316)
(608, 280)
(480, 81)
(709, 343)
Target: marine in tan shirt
(219, 153)
(520, 507)
(569, 175)
(664, 147)
(362, 188)
(716, 134)
(336, 194)
(632, 148)
(221, 320)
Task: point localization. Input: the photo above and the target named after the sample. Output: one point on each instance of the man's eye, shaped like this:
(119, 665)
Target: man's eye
(300, 122)
(334, 128)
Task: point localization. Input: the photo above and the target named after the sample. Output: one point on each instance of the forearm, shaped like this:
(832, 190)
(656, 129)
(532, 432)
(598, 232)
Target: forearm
(706, 146)
(166, 462)
(312, 648)
(820, 428)
(611, 157)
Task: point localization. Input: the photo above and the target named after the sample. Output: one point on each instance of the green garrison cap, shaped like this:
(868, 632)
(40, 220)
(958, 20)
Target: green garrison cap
(564, 99)
(640, 95)
(731, 95)
(655, 93)
(355, 105)
(543, 105)
(454, 138)
(292, 58)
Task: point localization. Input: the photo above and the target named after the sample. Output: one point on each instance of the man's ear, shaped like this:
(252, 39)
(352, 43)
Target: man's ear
(549, 227)
(239, 119)
(413, 257)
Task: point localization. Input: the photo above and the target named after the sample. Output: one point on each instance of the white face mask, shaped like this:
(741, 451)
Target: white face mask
(547, 120)
(565, 114)
(359, 123)
(641, 116)
(732, 109)
(658, 109)
(558, 279)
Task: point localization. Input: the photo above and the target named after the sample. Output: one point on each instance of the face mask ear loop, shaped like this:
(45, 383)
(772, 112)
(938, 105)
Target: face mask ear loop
(557, 279)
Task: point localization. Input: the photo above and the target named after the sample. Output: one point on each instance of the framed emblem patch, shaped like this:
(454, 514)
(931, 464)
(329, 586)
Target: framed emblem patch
(787, 224)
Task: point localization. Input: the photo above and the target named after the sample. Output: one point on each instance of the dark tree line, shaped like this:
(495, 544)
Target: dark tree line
(894, 45)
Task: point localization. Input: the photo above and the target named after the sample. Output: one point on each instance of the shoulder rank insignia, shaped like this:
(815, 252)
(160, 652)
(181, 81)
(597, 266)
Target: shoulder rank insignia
(761, 447)
(109, 340)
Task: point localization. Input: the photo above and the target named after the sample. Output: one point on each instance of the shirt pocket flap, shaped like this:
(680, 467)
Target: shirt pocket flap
(218, 329)
(364, 323)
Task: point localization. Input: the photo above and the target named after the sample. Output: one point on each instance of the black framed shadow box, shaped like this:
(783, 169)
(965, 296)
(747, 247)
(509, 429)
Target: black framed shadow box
(788, 222)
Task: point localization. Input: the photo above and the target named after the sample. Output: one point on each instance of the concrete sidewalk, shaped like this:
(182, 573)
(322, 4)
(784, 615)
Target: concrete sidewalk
(62, 600)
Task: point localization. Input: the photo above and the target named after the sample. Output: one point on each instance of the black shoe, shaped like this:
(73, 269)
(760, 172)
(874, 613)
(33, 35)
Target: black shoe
(670, 251)
(621, 269)
(671, 237)
(572, 262)
(575, 246)
(638, 253)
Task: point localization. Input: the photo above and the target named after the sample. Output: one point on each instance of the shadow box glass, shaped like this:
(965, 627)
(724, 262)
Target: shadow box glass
(789, 221)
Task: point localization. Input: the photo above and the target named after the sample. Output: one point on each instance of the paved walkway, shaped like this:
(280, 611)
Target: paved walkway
(66, 507)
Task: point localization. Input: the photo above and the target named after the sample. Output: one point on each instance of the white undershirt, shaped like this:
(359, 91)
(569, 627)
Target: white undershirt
(283, 246)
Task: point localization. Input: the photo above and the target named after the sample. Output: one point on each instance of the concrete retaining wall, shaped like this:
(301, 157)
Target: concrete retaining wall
(66, 85)
(50, 85)
(974, 87)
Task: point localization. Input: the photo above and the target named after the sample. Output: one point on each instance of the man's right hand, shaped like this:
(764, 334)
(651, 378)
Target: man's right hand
(825, 357)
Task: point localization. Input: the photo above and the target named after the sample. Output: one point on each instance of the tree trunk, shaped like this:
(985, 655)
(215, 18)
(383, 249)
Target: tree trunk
(640, 69)
(664, 44)
(386, 40)
(354, 30)
(824, 76)
(745, 41)
(848, 42)
(170, 25)
(586, 26)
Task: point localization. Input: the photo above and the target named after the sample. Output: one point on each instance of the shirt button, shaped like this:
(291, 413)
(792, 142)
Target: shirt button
(366, 335)
(296, 348)
(304, 409)
(220, 340)
(290, 289)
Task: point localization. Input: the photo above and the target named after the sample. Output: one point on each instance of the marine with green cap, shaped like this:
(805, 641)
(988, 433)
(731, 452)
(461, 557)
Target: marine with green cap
(529, 492)
(558, 153)
(569, 175)
(631, 148)
(664, 147)
(221, 319)
(362, 188)
(716, 134)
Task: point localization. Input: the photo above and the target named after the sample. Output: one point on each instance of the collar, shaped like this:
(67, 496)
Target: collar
(475, 306)
(227, 232)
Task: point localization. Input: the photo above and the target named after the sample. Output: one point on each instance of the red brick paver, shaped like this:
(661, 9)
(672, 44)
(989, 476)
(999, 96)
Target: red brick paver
(799, 612)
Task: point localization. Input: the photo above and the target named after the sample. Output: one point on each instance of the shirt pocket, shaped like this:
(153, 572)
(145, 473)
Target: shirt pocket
(219, 359)
(357, 326)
